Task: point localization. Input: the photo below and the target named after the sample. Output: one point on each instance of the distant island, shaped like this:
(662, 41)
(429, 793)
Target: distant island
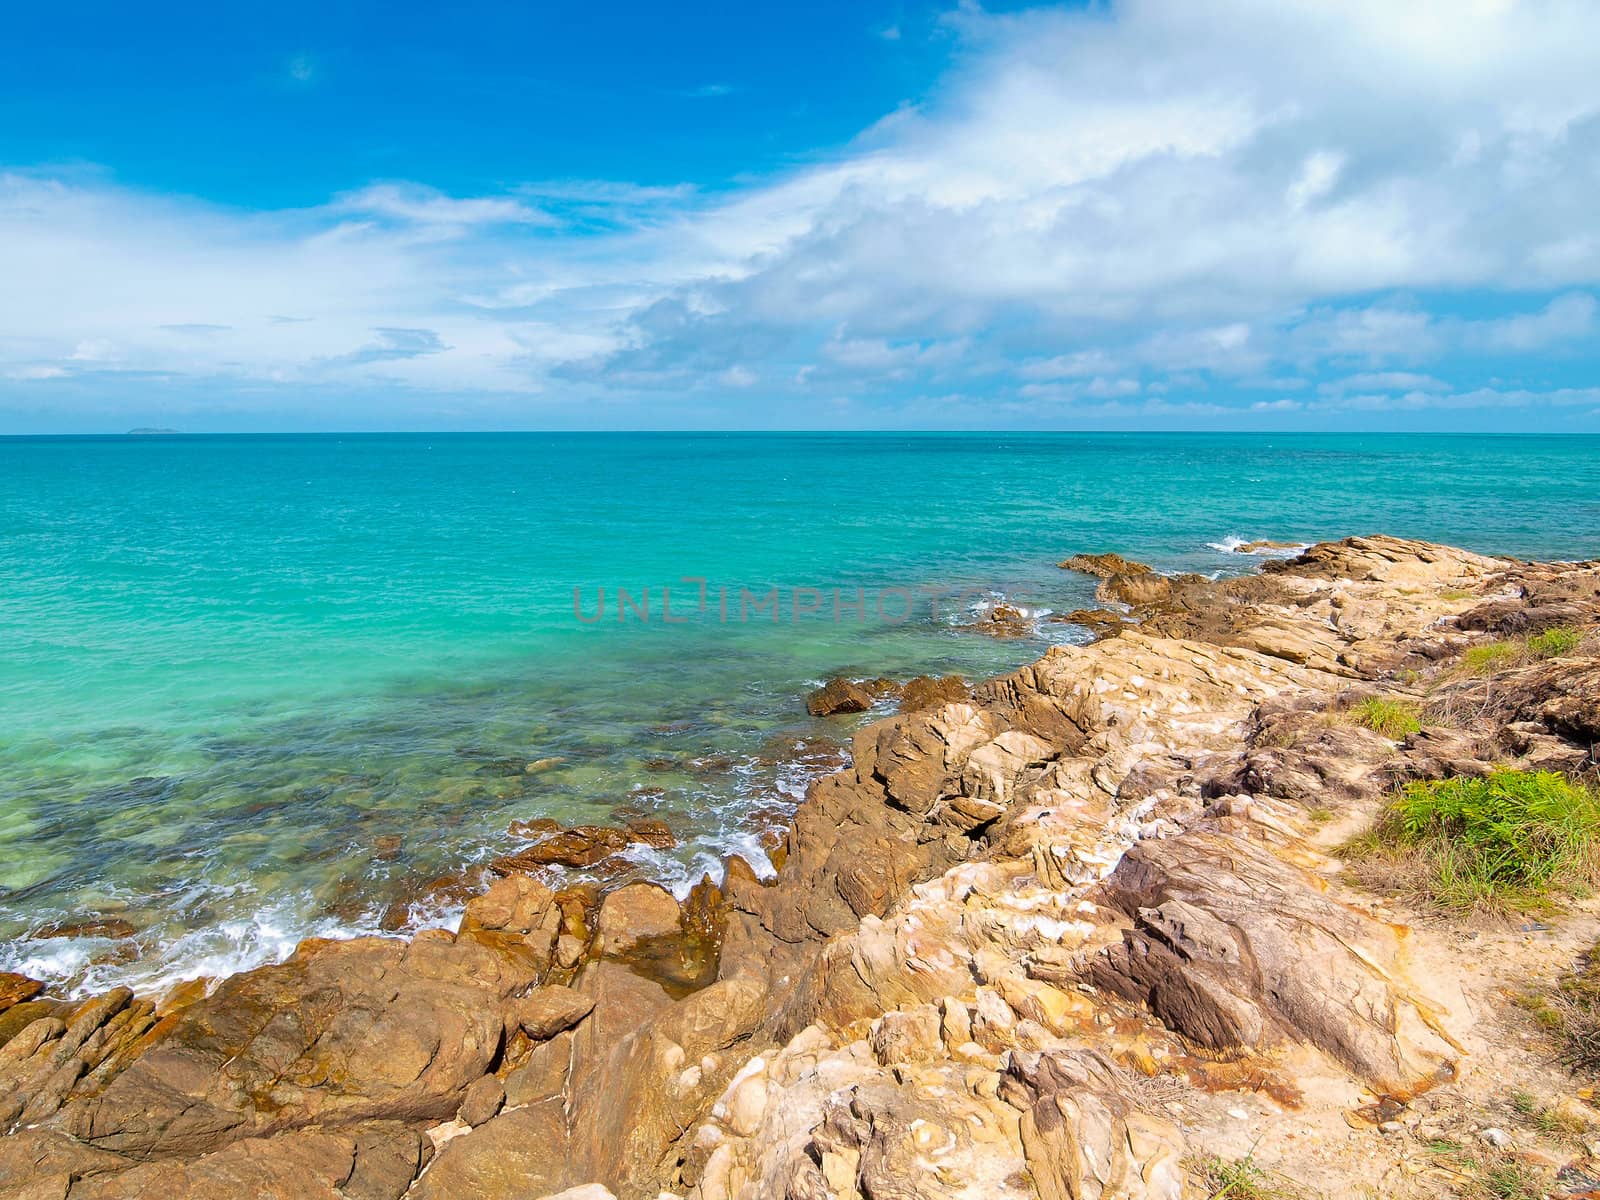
(143, 432)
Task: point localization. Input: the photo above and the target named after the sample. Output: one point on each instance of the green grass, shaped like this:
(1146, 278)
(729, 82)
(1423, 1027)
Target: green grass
(1394, 719)
(1241, 1179)
(1553, 643)
(1496, 656)
(1546, 1119)
(1569, 1013)
(1518, 840)
(1488, 1174)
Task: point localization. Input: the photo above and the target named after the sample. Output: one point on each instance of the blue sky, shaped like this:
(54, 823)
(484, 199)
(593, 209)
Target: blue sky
(1250, 214)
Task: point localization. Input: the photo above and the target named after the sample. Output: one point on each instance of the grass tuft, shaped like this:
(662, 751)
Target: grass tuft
(1485, 1174)
(1394, 719)
(1242, 1179)
(1518, 840)
(1553, 643)
(1570, 1013)
(1496, 656)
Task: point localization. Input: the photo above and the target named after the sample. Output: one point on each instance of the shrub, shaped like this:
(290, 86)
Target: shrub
(1392, 718)
(1518, 839)
(1553, 643)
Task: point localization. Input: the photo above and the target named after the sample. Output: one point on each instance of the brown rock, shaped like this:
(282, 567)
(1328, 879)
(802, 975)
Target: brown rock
(516, 903)
(520, 1153)
(547, 1011)
(14, 989)
(1103, 566)
(632, 1095)
(652, 832)
(483, 1099)
(1101, 622)
(1233, 947)
(1083, 1132)
(907, 1036)
(838, 695)
(634, 914)
(342, 1031)
(90, 927)
(925, 692)
(580, 846)
(533, 827)
(372, 1161)
(1140, 589)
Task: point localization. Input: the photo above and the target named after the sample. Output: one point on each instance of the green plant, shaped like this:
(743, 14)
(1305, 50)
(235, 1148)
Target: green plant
(1392, 718)
(1516, 839)
(1242, 1179)
(1553, 643)
(1570, 1013)
(1486, 660)
(1487, 1174)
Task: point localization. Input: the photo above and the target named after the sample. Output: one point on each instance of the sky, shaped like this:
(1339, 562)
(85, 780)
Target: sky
(1137, 214)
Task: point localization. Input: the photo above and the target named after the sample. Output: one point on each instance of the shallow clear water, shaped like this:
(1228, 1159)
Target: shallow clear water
(254, 688)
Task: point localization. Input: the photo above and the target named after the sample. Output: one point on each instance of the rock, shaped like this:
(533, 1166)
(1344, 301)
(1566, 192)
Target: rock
(838, 695)
(89, 927)
(586, 1191)
(517, 904)
(649, 831)
(1104, 566)
(482, 1100)
(372, 1161)
(341, 1031)
(547, 1011)
(521, 1152)
(1233, 947)
(1498, 1138)
(907, 1036)
(1082, 1131)
(925, 692)
(580, 846)
(1140, 589)
(1101, 622)
(14, 989)
(1267, 546)
(635, 914)
(647, 1066)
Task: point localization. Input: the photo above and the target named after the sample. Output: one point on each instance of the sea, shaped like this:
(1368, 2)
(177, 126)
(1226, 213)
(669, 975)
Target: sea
(260, 688)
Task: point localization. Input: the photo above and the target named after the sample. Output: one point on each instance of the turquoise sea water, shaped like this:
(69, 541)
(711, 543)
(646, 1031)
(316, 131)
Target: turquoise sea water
(253, 688)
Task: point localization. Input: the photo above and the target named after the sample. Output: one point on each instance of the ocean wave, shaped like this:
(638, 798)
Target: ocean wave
(1258, 547)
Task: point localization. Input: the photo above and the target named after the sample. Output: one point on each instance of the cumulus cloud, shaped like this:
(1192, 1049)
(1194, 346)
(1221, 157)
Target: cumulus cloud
(1111, 206)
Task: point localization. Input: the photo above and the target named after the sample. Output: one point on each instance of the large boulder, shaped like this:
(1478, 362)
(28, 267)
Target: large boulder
(341, 1032)
(369, 1161)
(1235, 948)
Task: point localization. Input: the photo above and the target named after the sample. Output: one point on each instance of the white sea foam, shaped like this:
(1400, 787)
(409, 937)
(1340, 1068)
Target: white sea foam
(1235, 545)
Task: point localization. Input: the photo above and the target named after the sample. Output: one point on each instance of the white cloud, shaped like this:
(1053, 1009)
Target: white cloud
(1564, 319)
(1135, 198)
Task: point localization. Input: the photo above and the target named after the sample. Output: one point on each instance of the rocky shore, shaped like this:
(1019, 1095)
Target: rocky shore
(1063, 934)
